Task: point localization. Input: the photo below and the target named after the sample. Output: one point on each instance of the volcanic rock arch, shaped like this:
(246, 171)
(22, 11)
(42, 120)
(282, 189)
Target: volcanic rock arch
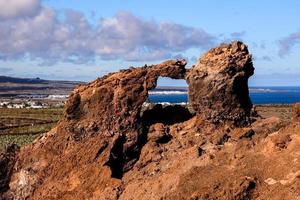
(101, 133)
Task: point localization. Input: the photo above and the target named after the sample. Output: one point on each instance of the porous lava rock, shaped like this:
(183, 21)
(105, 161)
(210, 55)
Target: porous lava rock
(296, 112)
(98, 139)
(218, 84)
(7, 162)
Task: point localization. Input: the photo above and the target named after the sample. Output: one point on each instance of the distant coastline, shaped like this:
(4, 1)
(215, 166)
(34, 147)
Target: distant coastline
(48, 90)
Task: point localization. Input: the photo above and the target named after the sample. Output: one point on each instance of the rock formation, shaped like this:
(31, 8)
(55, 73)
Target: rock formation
(296, 114)
(107, 146)
(218, 84)
(100, 135)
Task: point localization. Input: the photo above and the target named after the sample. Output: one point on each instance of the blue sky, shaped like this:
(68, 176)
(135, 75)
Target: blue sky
(81, 40)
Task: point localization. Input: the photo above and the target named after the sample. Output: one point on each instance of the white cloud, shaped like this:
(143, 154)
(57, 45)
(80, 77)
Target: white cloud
(238, 35)
(72, 38)
(287, 43)
(266, 58)
(18, 8)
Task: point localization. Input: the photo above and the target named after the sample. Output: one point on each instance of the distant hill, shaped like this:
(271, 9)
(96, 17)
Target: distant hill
(12, 86)
(8, 79)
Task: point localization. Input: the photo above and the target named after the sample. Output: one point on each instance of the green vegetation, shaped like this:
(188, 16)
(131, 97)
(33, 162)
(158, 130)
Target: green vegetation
(22, 126)
(20, 140)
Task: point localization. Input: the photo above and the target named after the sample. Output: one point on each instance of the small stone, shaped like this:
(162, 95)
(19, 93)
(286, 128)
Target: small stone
(270, 181)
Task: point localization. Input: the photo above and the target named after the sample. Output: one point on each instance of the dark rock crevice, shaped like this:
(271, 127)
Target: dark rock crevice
(7, 161)
(167, 115)
(117, 158)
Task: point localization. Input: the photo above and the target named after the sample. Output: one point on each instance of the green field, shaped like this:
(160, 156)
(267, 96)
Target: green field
(22, 126)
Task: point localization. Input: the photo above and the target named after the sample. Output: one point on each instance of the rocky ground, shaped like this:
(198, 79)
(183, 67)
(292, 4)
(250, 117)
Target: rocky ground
(107, 147)
(283, 111)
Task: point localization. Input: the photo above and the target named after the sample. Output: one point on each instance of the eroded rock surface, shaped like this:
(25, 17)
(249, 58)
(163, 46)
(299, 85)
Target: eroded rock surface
(100, 137)
(218, 84)
(7, 161)
(296, 112)
(107, 147)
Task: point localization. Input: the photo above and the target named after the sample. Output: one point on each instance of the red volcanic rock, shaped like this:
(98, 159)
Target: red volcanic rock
(99, 137)
(7, 162)
(218, 84)
(296, 112)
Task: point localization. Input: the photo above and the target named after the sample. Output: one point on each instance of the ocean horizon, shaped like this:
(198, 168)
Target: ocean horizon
(258, 95)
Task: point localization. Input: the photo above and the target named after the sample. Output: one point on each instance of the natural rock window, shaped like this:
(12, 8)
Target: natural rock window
(169, 91)
(167, 103)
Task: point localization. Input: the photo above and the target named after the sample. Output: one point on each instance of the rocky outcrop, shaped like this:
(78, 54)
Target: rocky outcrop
(296, 112)
(218, 84)
(107, 146)
(100, 137)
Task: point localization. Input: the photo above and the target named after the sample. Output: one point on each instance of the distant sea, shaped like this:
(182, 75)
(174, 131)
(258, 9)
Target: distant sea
(258, 95)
